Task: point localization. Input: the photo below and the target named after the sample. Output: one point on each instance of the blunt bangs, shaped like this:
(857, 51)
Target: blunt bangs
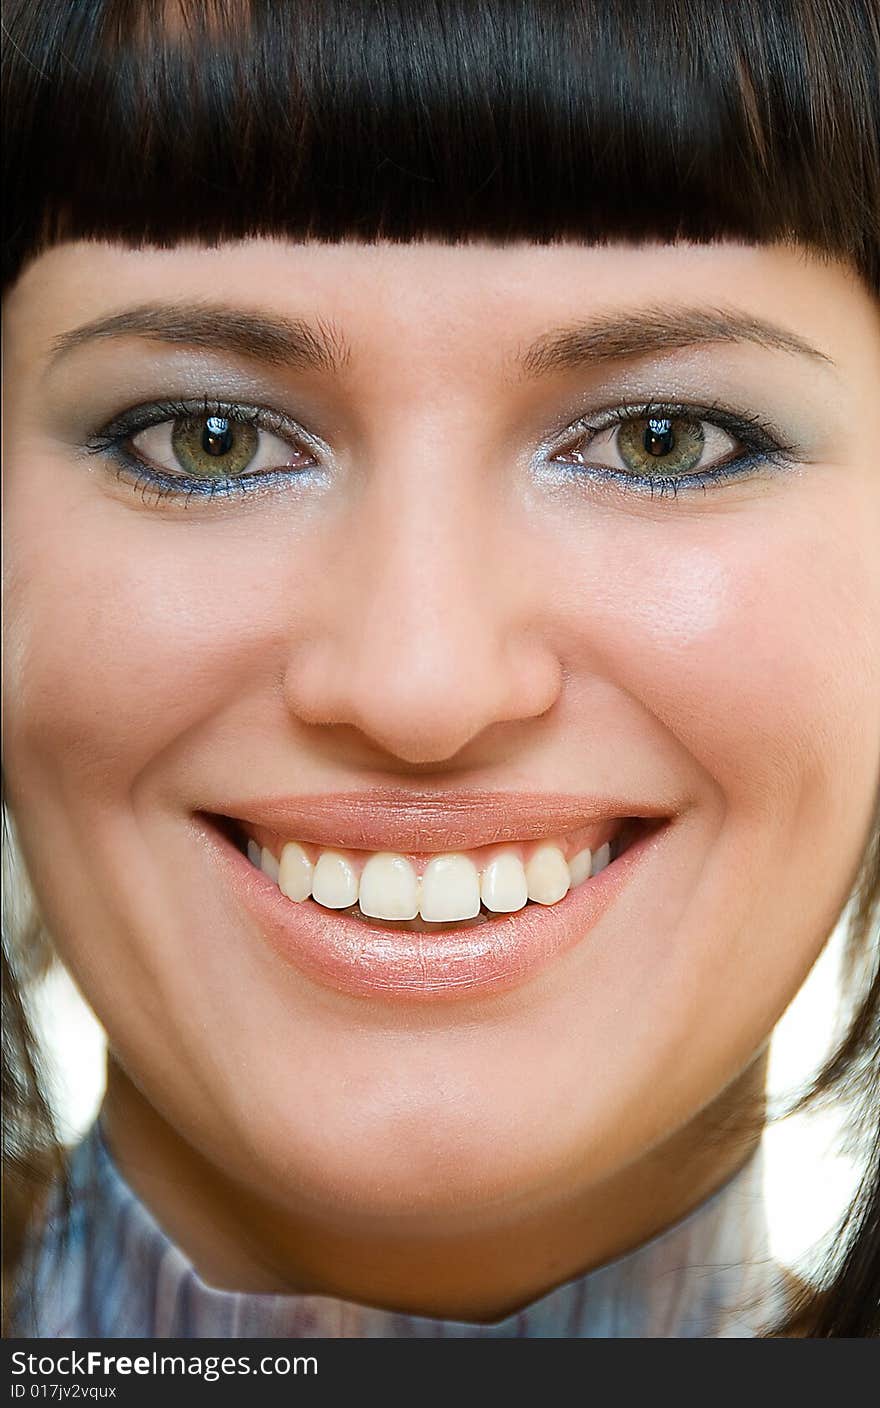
(160, 121)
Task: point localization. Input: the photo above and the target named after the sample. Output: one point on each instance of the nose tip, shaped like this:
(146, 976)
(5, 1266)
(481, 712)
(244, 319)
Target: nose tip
(431, 633)
(423, 699)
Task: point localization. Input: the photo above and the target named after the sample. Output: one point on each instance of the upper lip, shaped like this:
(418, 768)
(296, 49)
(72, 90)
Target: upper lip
(390, 819)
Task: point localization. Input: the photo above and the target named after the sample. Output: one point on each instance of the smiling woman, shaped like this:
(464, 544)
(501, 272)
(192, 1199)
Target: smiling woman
(442, 654)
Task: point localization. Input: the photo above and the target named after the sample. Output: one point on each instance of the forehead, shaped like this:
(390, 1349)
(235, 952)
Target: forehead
(421, 271)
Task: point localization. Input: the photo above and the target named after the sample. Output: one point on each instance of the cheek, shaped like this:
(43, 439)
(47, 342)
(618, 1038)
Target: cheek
(745, 647)
(124, 634)
(752, 638)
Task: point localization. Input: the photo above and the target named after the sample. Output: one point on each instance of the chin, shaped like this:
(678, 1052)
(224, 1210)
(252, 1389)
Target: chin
(432, 1168)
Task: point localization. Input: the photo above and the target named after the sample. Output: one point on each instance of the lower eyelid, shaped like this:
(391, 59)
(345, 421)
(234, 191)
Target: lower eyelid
(749, 465)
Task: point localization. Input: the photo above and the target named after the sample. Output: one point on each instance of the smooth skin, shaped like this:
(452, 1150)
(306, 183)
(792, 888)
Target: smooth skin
(441, 605)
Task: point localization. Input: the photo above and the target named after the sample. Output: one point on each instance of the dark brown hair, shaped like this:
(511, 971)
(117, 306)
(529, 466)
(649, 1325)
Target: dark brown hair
(157, 121)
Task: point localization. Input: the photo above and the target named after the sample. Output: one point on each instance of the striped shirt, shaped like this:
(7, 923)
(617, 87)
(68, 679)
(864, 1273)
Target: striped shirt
(104, 1268)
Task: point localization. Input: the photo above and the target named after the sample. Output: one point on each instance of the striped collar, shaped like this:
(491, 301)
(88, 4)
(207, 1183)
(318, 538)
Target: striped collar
(106, 1269)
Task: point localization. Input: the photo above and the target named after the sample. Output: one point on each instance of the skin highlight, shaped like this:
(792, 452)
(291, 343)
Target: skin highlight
(440, 605)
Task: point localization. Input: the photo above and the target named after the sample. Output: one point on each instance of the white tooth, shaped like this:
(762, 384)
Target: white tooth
(601, 858)
(389, 887)
(254, 853)
(581, 866)
(334, 881)
(503, 886)
(547, 875)
(450, 889)
(268, 864)
(295, 872)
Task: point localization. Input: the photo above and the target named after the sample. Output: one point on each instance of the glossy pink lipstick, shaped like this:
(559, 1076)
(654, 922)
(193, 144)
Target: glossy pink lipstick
(395, 962)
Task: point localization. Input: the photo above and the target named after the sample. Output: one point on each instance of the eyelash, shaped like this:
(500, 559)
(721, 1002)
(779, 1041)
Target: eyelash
(110, 442)
(765, 446)
(764, 443)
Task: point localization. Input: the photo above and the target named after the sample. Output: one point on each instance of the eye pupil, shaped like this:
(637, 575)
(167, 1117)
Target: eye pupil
(659, 438)
(217, 436)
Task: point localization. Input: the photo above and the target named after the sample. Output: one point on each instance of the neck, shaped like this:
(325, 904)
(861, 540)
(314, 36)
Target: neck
(238, 1242)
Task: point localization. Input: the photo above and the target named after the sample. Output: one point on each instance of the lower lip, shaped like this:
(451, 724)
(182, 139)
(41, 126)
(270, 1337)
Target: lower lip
(401, 965)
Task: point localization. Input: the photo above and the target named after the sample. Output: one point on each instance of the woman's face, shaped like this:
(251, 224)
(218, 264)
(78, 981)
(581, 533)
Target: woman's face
(448, 588)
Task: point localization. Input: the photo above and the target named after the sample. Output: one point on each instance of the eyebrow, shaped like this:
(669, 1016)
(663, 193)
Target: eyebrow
(305, 346)
(654, 329)
(277, 341)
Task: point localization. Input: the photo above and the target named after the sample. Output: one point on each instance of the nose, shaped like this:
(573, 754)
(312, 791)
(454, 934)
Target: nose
(431, 635)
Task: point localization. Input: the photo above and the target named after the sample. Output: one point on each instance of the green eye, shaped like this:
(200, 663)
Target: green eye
(214, 447)
(660, 445)
(656, 445)
(211, 448)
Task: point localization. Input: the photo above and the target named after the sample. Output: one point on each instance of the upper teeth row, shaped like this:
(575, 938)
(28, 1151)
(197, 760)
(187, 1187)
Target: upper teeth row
(451, 887)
